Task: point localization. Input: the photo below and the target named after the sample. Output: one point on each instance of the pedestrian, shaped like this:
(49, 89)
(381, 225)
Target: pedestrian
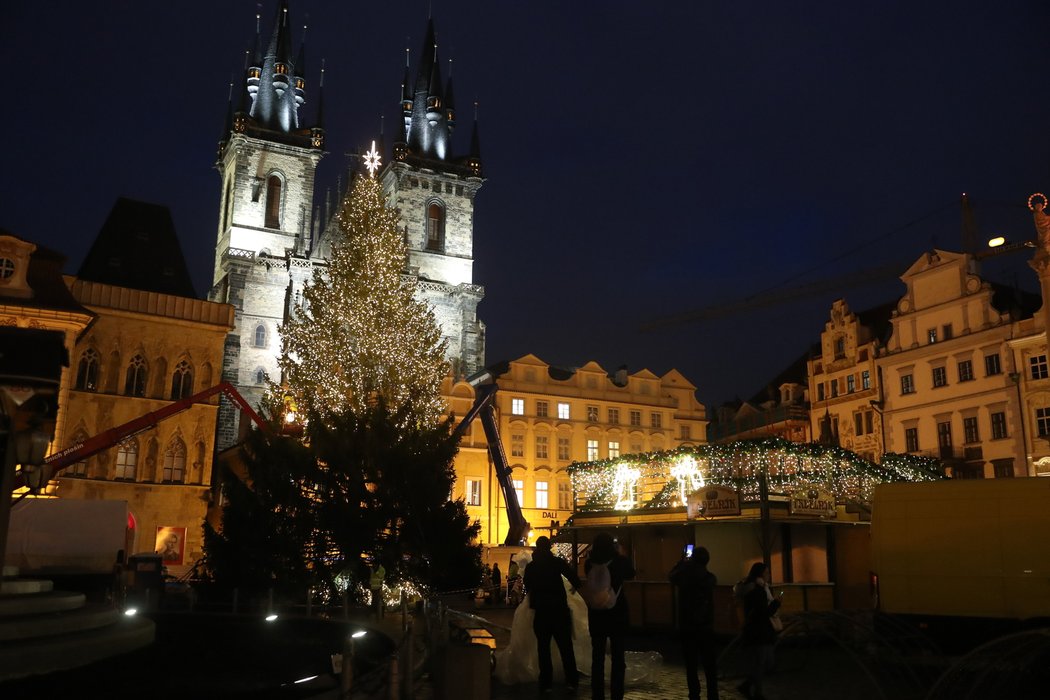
(695, 586)
(607, 568)
(758, 634)
(375, 584)
(512, 579)
(497, 581)
(552, 618)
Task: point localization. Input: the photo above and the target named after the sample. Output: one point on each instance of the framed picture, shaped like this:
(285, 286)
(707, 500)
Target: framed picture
(171, 544)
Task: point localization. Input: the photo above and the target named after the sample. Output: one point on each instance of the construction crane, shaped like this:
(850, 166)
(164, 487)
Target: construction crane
(484, 406)
(103, 441)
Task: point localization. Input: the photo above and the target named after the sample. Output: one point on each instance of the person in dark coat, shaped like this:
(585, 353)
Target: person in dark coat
(497, 581)
(757, 635)
(547, 598)
(609, 625)
(695, 586)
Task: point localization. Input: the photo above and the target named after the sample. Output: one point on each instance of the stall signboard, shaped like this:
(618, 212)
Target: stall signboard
(713, 502)
(813, 500)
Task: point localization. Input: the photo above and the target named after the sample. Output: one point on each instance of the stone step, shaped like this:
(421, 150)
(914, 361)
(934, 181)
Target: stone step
(9, 571)
(19, 659)
(51, 624)
(22, 586)
(37, 603)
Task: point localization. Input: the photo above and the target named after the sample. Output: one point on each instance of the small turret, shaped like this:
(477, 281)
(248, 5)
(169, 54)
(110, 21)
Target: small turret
(299, 76)
(450, 108)
(434, 97)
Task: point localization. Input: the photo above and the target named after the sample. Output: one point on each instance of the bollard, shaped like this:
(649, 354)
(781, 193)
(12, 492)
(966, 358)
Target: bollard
(346, 677)
(309, 601)
(346, 605)
(395, 679)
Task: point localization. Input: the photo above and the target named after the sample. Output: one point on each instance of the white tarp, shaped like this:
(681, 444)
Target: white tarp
(65, 535)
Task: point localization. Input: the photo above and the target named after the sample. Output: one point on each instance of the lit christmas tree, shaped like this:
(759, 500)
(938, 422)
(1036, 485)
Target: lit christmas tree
(359, 334)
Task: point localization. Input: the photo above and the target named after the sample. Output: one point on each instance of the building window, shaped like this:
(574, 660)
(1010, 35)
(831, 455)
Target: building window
(851, 384)
(840, 348)
(614, 450)
(944, 438)
(127, 460)
(686, 432)
(940, 376)
(181, 381)
(946, 331)
(592, 414)
(1042, 422)
(820, 391)
(865, 379)
(519, 491)
(260, 376)
(970, 431)
(931, 335)
(564, 495)
(592, 450)
(911, 439)
(656, 420)
(542, 408)
(517, 407)
(614, 416)
(563, 410)
(1038, 367)
(966, 371)
(564, 449)
(992, 365)
(517, 445)
(175, 463)
(473, 492)
(834, 388)
(869, 422)
(858, 419)
(907, 384)
(7, 268)
(1003, 468)
(135, 377)
(999, 425)
(260, 336)
(541, 447)
(273, 202)
(636, 418)
(636, 448)
(87, 371)
(542, 500)
(435, 227)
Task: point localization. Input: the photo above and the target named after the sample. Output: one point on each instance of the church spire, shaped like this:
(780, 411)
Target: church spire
(427, 134)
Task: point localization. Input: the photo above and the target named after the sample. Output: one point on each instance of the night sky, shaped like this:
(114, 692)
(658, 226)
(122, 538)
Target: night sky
(644, 160)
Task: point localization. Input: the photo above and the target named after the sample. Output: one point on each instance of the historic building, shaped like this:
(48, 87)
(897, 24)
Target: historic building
(949, 378)
(846, 406)
(271, 238)
(151, 342)
(781, 410)
(550, 416)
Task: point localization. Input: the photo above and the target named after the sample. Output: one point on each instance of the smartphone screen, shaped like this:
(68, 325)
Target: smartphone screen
(688, 551)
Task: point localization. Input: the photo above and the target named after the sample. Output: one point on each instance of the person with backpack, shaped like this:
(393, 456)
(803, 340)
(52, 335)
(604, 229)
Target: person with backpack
(552, 618)
(607, 568)
(758, 634)
(695, 586)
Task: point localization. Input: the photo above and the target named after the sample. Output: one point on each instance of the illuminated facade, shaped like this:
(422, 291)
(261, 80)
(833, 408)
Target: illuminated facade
(550, 417)
(272, 238)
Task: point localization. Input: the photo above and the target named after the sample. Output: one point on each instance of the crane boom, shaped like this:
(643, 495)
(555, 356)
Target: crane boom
(517, 526)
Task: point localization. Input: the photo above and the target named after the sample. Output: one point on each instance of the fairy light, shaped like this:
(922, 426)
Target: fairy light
(787, 465)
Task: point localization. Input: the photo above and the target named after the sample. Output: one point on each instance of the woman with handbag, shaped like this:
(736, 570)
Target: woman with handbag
(760, 627)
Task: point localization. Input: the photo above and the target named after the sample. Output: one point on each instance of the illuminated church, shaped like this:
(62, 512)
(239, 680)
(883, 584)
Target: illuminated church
(272, 233)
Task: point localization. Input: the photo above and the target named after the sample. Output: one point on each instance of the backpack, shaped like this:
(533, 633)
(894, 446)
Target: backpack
(598, 591)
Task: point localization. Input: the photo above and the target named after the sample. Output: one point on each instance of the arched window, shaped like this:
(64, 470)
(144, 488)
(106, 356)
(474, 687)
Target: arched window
(227, 205)
(78, 469)
(260, 336)
(260, 376)
(87, 371)
(135, 378)
(127, 460)
(181, 381)
(273, 202)
(435, 226)
(175, 462)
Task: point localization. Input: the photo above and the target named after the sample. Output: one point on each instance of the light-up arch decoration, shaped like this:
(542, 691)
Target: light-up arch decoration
(664, 479)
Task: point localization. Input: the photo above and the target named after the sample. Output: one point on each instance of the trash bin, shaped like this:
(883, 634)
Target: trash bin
(145, 579)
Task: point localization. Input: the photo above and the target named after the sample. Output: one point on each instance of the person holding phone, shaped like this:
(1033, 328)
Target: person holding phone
(695, 589)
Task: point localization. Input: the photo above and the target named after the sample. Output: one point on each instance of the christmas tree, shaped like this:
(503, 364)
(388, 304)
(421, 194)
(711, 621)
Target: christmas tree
(359, 334)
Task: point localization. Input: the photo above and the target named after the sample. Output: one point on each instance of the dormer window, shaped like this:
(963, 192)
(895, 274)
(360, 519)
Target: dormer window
(7, 268)
(840, 348)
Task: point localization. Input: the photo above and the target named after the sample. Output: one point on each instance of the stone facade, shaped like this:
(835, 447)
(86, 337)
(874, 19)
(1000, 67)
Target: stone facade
(550, 417)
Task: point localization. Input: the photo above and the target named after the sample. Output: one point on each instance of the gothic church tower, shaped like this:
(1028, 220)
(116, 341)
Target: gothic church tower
(267, 161)
(434, 192)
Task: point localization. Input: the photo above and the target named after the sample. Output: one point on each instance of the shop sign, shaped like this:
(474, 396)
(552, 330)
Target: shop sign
(813, 501)
(713, 502)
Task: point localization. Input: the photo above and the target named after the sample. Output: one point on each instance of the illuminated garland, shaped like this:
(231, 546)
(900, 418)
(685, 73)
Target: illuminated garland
(669, 476)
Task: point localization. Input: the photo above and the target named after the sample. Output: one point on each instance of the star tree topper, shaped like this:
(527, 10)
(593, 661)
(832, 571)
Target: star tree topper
(372, 160)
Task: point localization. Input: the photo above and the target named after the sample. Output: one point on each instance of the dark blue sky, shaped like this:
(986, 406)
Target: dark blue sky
(644, 159)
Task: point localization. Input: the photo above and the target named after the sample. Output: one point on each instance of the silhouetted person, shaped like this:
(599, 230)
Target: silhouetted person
(608, 624)
(757, 635)
(695, 586)
(546, 591)
(497, 581)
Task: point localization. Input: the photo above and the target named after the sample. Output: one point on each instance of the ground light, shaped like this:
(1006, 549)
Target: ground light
(271, 617)
(130, 612)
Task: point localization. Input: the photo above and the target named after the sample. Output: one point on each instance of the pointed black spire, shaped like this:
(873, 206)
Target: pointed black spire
(450, 106)
(474, 159)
